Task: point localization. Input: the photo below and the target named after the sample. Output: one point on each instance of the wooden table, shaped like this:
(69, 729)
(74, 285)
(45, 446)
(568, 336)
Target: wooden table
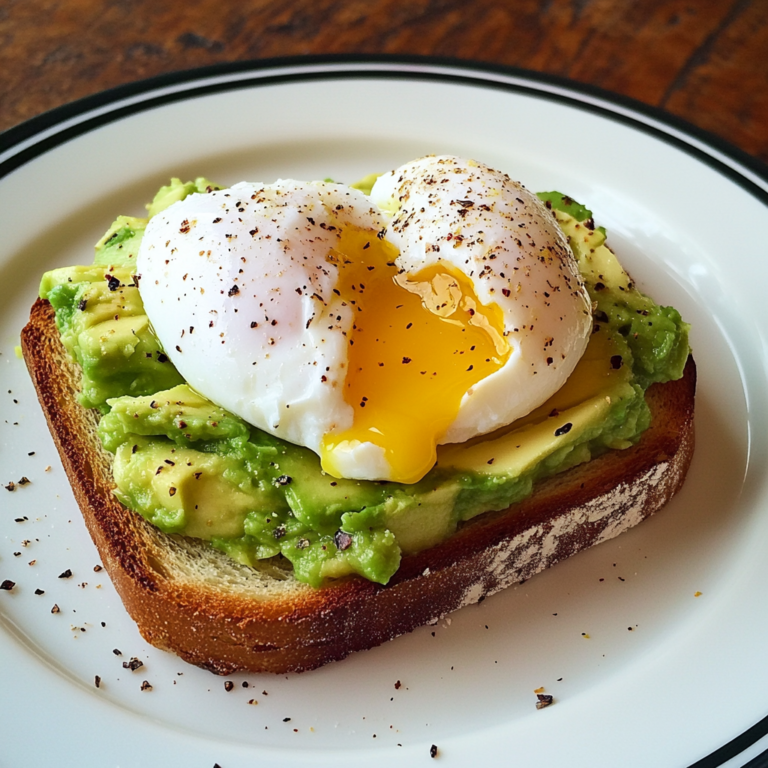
(703, 60)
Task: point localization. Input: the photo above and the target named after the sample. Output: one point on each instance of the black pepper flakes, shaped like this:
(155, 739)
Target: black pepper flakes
(233, 291)
(146, 686)
(342, 540)
(283, 480)
(228, 685)
(564, 430)
(133, 664)
(97, 681)
(544, 700)
(616, 362)
(55, 609)
(65, 574)
(112, 282)
(39, 591)
(8, 585)
(433, 751)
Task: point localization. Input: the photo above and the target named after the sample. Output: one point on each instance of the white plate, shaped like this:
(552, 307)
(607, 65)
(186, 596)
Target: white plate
(643, 671)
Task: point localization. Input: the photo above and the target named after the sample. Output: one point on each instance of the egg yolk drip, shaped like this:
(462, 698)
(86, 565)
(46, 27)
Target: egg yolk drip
(419, 342)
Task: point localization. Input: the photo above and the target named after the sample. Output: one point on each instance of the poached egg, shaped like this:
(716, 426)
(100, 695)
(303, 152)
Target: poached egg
(369, 329)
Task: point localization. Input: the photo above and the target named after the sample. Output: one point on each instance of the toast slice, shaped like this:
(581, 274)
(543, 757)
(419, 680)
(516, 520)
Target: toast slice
(191, 599)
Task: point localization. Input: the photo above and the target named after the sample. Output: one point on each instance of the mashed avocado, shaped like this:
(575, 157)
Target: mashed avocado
(192, 468)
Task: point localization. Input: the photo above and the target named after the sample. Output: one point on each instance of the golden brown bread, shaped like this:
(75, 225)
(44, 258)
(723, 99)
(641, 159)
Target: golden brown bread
(191, 599)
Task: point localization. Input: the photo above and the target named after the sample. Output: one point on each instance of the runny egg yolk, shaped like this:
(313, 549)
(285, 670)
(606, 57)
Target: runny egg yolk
(419, 342)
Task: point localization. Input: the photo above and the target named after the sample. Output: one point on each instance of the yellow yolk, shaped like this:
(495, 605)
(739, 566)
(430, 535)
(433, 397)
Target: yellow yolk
(419, 342)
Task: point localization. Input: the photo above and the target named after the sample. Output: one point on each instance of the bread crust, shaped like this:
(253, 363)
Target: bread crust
(188, 598)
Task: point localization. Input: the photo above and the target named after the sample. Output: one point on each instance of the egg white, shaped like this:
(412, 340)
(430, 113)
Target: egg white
(238, 290)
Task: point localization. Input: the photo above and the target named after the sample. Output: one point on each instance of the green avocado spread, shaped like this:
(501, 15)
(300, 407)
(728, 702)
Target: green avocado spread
(192, 468)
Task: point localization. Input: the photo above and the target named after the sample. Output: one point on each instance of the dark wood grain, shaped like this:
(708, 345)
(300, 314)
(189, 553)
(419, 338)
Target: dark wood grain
(704, 61)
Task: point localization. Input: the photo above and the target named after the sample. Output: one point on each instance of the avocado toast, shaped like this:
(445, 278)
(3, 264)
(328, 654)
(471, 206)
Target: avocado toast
(258, 614)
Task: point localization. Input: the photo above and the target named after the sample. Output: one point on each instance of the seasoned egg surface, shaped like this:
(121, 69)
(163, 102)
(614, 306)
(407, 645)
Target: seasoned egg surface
(303, 309)
(467, 217)
(240, 291)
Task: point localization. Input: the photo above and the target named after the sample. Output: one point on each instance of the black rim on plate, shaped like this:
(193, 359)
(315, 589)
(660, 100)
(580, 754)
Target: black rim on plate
(24, 142)
(61, 124)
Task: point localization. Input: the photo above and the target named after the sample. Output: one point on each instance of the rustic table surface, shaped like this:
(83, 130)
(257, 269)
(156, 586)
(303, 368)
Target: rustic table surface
(705, 61)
